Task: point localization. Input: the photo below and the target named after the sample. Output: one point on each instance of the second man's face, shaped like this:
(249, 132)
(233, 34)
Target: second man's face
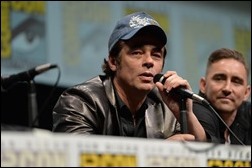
(226, 85)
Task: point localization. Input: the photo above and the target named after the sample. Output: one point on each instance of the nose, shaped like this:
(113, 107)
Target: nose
(148, 61)
(227, 88)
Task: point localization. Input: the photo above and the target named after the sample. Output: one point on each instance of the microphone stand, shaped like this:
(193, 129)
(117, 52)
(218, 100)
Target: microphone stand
(183, 117)
(32, 105)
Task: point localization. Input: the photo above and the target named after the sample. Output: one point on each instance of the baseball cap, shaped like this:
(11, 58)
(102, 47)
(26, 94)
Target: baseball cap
(129, 25)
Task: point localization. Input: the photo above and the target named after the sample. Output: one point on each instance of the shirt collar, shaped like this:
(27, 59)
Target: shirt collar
(121, 104)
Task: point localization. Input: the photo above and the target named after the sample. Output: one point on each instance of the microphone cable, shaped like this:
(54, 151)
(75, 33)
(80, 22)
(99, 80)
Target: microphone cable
(207, 105)
(43, 107)
(214, 145)
(204, 102)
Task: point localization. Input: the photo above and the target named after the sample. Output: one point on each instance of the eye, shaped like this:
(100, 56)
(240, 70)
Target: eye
(157, 54)
(237, 81)
(136, 52)
(219, 77)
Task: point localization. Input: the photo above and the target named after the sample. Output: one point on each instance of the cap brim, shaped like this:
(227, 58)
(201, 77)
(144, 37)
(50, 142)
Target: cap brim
(151, 29)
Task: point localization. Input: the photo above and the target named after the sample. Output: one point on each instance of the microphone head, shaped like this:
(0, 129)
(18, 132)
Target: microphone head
(158, 78)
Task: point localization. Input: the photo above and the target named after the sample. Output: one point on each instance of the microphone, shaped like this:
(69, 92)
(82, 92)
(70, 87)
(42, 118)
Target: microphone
(26, 75)
(181, 91)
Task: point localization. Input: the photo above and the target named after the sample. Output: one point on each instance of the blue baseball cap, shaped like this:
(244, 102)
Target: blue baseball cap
(129, 25)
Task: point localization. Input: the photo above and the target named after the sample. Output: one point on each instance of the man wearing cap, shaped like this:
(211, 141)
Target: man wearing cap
(125, 101)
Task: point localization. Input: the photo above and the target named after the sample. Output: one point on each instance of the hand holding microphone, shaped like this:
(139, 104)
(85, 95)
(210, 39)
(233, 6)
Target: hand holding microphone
(175, 95)
(184, 93)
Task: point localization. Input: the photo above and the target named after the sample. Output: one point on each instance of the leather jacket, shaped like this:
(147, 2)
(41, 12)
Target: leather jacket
(90, 108)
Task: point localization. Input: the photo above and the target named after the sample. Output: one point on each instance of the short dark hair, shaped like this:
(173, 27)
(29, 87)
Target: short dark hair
(226, 53)
(114, 52)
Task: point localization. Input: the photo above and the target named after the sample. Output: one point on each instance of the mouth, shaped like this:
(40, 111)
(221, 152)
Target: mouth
(147, 74)
(147, 77)
(225, 99)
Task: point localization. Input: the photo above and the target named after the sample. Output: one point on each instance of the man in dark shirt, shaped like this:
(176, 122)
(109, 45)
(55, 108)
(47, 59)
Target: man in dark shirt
(225, 86)
(126, 101)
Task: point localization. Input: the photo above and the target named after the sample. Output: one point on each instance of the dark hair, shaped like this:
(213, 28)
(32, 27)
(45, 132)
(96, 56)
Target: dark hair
(226, 53)
(115, 53)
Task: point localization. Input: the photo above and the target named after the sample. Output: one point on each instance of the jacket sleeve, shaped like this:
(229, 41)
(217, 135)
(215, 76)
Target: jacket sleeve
(209, 121)
(76, 111)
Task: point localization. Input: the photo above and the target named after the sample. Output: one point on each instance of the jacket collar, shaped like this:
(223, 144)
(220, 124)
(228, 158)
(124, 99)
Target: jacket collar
(109, 89)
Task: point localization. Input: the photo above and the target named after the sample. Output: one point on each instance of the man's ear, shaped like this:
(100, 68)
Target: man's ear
(247, 92)
(112, 63)
(202, 85)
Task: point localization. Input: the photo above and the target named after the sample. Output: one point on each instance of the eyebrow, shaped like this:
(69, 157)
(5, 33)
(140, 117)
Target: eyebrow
(232, 77)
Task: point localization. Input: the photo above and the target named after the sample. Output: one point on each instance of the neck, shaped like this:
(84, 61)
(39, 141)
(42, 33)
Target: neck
(133, 99)
(228, 117)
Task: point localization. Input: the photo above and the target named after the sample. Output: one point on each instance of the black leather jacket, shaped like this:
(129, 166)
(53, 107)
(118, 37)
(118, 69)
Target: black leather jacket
(90, 108)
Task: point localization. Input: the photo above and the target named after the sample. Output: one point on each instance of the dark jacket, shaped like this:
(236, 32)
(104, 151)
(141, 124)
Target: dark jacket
(214, 126)
(90, 108)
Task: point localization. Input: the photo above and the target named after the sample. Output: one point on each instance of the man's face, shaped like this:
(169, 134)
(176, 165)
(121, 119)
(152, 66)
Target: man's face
(225, 85)
(141, 58)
